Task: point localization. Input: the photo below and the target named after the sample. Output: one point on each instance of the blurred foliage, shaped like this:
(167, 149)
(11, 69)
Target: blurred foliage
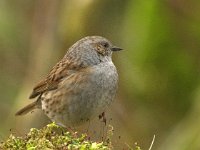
(158, 69)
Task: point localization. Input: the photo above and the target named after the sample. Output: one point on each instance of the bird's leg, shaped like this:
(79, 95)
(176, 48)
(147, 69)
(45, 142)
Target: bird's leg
(70, 129)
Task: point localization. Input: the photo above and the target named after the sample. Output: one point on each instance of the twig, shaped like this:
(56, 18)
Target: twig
(152, 142)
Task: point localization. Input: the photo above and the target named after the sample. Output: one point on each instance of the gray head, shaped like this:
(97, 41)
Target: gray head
(92, 50)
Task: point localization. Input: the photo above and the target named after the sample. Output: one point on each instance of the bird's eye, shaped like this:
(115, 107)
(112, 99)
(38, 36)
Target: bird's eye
(106, 45)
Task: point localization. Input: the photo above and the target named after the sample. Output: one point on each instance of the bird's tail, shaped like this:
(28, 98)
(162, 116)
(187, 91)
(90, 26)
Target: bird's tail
(28, 108)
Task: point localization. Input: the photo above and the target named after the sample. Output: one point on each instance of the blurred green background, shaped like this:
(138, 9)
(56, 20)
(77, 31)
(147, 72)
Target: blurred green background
(159, 89)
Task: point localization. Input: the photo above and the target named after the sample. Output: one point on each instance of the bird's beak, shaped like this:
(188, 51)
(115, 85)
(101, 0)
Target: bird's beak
(114, 48)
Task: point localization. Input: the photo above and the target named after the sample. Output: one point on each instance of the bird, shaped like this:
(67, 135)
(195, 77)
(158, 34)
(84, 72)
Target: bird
(80, 86)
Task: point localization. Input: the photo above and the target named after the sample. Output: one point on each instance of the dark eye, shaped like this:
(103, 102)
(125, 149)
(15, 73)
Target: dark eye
(105, 44)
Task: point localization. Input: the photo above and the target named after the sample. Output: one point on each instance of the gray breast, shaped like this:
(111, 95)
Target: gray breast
(105, 81)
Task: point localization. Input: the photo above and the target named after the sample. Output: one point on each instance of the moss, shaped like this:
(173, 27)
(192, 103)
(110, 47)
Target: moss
(52, 137)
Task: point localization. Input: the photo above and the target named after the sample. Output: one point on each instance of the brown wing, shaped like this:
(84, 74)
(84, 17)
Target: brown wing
(61, 70)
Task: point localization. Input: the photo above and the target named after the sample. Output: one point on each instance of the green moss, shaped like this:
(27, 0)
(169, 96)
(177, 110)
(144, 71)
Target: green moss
(52, 137)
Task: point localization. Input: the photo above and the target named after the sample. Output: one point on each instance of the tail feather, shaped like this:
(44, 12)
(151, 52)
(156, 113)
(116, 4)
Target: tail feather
(28, 108)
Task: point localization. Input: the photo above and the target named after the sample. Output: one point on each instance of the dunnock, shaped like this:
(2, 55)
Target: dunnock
(80, 86)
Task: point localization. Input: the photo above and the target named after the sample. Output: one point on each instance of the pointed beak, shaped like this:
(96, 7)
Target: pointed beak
(114, 48)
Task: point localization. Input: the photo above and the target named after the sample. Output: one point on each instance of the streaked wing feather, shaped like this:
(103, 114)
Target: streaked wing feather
(62, 69)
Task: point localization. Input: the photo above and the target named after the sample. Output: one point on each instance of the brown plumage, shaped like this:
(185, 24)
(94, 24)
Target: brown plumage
(80, 86)
(28, 108)
(62, 69)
